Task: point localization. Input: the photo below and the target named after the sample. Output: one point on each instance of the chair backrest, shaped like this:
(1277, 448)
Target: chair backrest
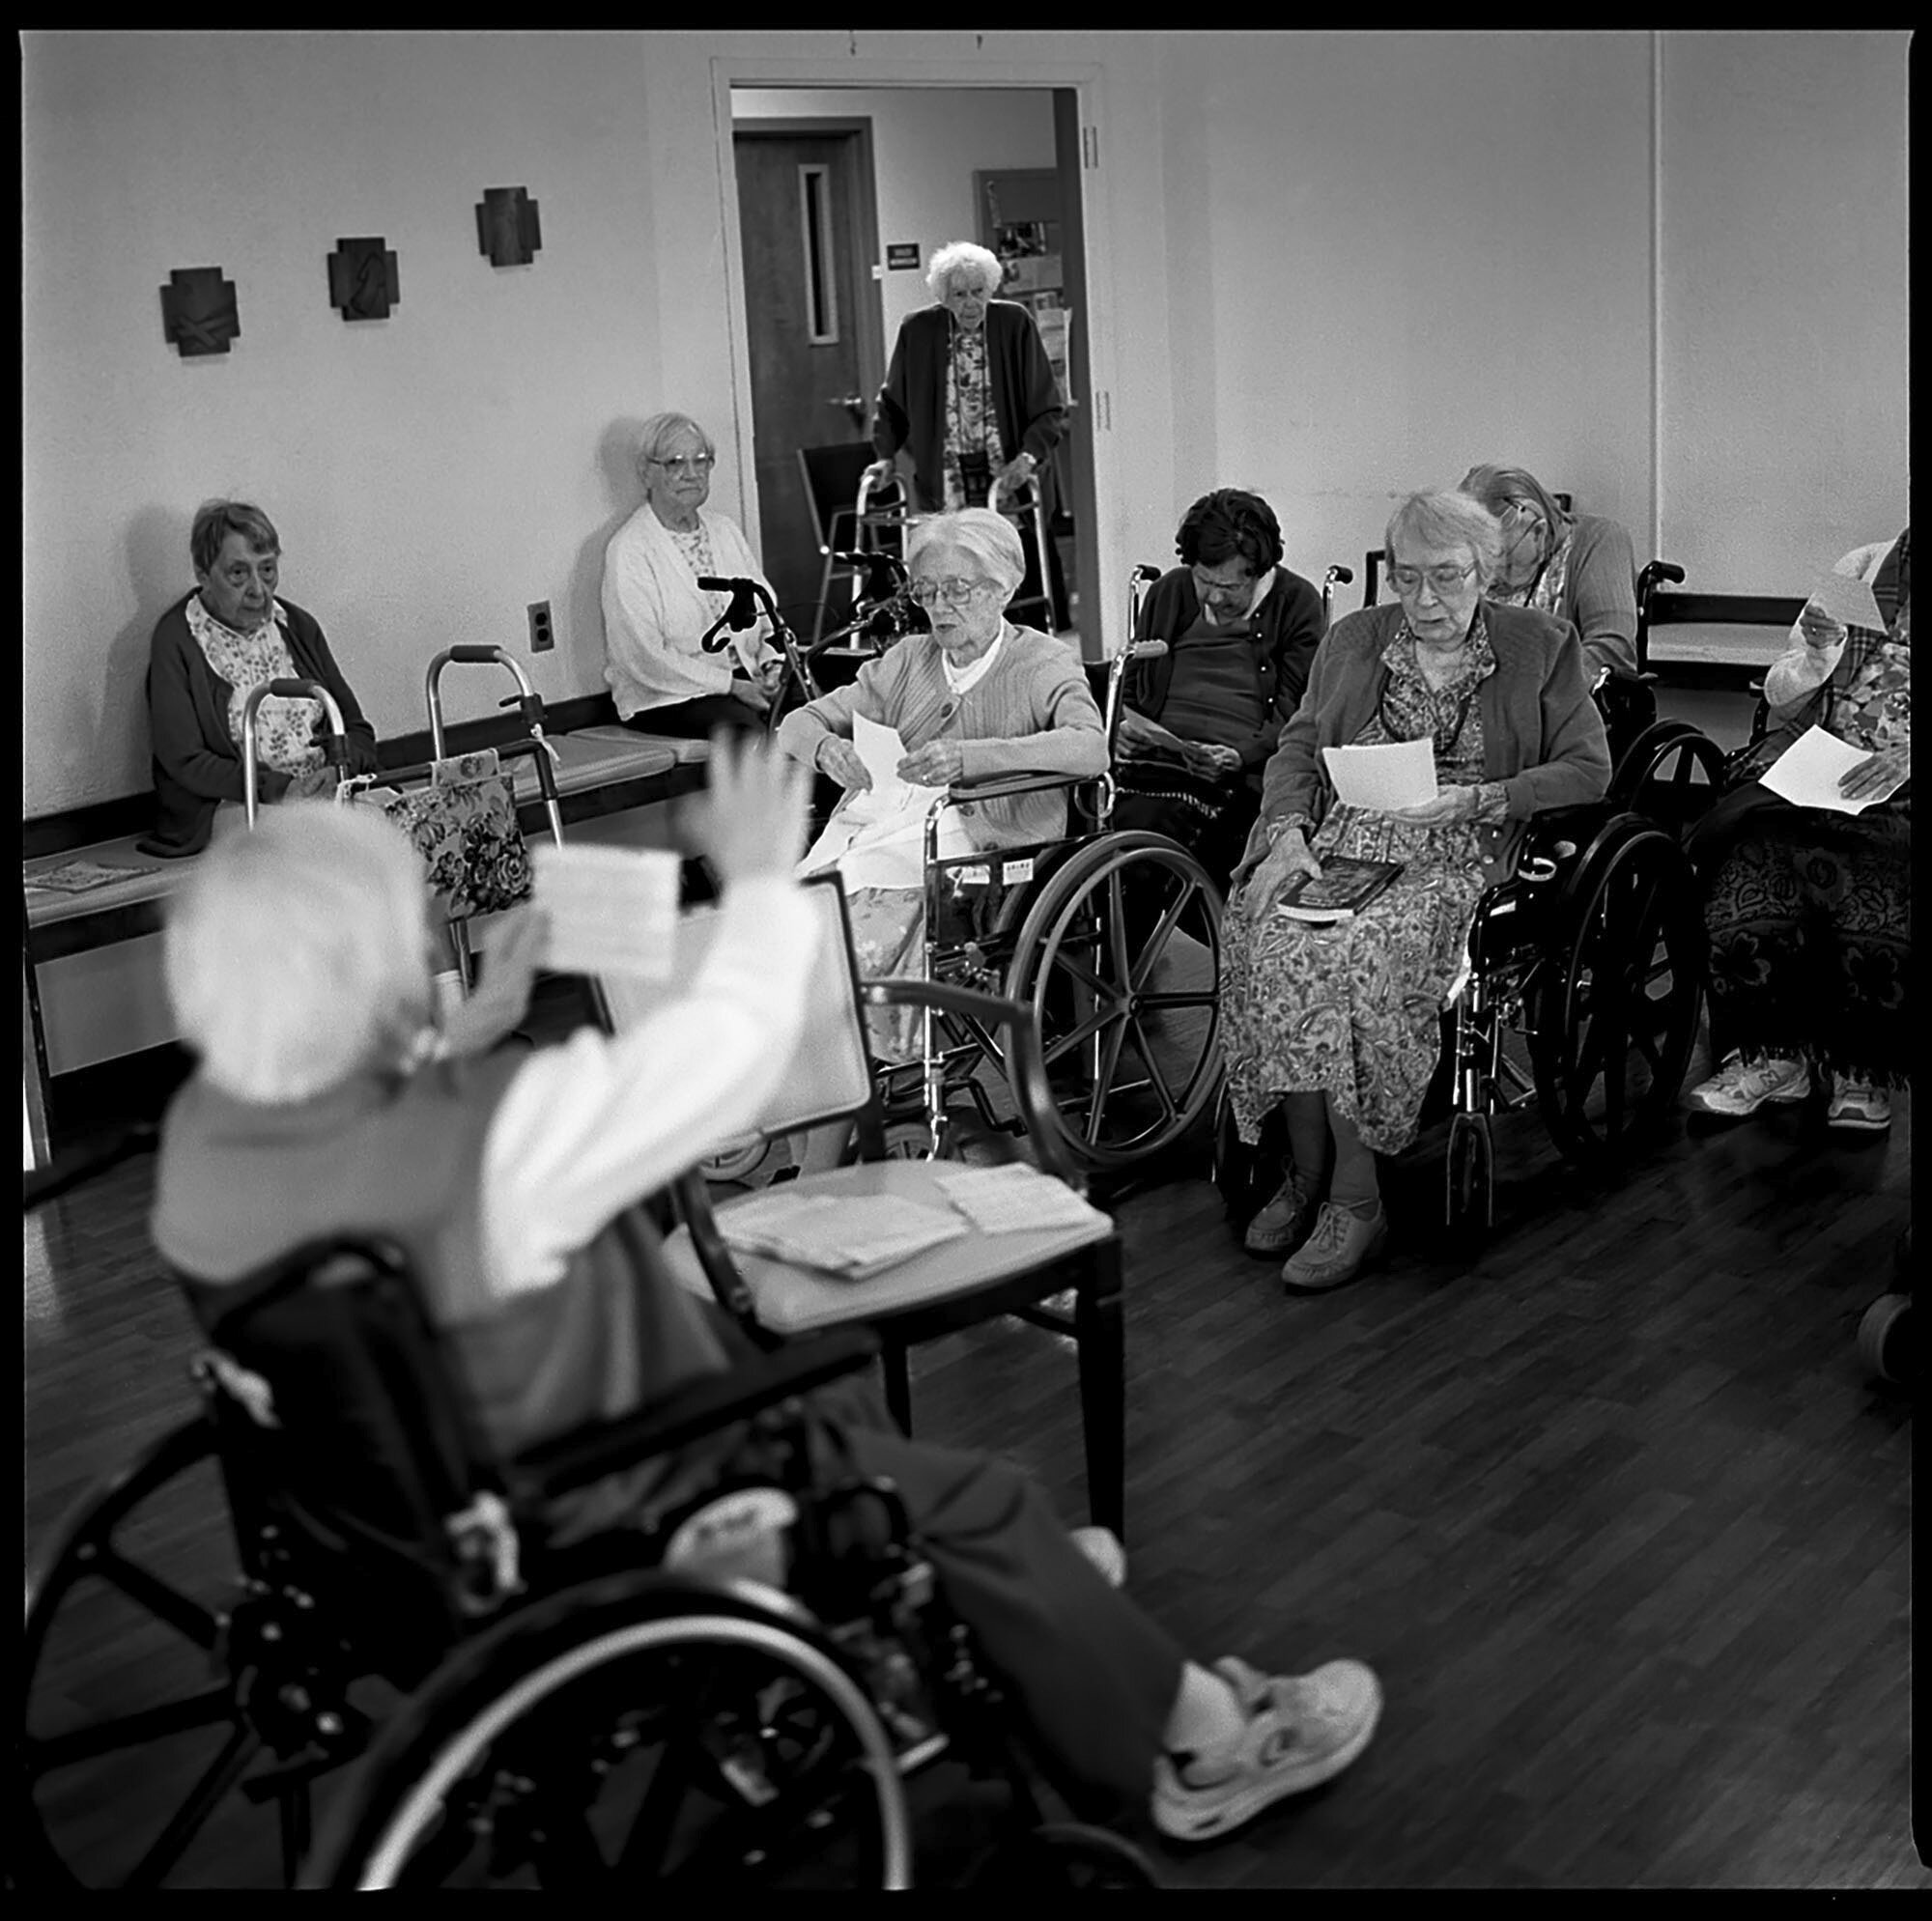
(832, 477)
(1714, 640)
(829, 1077)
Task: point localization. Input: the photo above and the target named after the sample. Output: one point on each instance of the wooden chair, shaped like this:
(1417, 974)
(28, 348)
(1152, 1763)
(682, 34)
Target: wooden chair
(957, 1285)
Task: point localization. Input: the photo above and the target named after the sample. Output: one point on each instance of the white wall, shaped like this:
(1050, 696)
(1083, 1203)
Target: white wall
(1785, 315)
(926, 146)
(1330, 266)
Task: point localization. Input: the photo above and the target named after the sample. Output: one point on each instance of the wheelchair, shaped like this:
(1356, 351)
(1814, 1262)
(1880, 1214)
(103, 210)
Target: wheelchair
(1581, 986)
(739, 1691)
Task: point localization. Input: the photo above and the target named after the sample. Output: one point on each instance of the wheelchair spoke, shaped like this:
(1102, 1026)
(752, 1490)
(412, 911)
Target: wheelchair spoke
(44, 1755)
(1156, 1080)
(221, 1774)
(1104, 1079)
(1156, 942)
(187, 1617)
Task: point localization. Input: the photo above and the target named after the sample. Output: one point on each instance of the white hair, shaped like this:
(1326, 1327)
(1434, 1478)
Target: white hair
(961, 260)
(980, 535)
(659, 432)
(1447, 520)
(295, 955)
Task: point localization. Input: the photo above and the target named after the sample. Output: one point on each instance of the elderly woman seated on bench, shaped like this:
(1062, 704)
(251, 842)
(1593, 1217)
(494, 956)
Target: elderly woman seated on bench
(323, 1104)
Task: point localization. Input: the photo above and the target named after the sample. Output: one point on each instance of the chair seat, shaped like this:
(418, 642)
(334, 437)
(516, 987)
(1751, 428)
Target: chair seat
(794, 1300)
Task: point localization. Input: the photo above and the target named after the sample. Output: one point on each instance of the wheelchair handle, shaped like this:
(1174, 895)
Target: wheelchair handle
(335, 748)
(1145, 650)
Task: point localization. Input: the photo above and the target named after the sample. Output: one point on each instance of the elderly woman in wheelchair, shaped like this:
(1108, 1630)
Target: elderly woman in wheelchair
(511, 1186)
(1338, 1023)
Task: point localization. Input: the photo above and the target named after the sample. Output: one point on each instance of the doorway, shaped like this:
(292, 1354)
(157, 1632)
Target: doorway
(933, 148)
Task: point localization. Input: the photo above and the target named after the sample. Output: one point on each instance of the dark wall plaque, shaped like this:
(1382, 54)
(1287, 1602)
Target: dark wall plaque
(902, 256)
(506, 226)
(198, 311)
(362, 279)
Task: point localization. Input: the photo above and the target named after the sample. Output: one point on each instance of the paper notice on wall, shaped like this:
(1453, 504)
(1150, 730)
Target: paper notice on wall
(1850, 603)
(1398, 774)
(607, 909)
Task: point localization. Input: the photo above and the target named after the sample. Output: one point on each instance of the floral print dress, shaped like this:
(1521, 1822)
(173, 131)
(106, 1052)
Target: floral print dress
(1353, 1009)
(284, 729)
(972, 431)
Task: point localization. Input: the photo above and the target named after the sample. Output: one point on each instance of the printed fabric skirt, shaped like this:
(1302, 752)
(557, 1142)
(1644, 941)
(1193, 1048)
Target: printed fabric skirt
(886, 927)
(1352, 1010)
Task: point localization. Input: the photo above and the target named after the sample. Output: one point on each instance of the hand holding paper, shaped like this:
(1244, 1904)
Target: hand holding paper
(1397, 774)
(1849, 602)
(1815, 772)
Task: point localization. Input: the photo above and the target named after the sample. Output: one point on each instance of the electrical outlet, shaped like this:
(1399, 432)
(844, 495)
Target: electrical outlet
(542, 638)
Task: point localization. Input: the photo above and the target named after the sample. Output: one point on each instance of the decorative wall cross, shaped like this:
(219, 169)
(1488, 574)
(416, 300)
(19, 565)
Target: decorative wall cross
(362, 279)
(198, 311)
(506, 226)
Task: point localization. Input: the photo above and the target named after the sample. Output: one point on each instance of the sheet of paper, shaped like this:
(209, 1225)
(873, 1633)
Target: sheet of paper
(1808, 771)
(1399, 773)
(882, 750)
(607, 909)
(858, 1233)
(1014, 1200)
(1850, 603)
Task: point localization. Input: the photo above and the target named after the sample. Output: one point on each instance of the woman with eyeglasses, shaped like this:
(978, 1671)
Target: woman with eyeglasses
(1338, 1023)
(655, 613)
(976, 698)
(1579, 567)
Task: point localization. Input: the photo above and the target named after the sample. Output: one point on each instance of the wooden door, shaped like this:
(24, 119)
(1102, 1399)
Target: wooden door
(806, 225)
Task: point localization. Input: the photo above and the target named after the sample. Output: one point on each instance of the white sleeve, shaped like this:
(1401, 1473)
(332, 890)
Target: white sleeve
(589, 1128)
(1801, 669)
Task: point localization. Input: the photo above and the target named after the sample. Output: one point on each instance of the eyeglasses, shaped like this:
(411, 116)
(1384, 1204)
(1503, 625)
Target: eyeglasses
(1444, 579)
(689, 464)
(954, 593)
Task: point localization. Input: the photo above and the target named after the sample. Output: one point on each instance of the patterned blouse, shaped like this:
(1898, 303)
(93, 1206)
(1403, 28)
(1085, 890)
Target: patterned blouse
(284, 729)
(695, 548)
(972, 429)
(1544, 592)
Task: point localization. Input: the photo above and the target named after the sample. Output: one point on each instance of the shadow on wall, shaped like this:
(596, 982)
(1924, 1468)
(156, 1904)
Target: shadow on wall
(159, 572)
(617, 461)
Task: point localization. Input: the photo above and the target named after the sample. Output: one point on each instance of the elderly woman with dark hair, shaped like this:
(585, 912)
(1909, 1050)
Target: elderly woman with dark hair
(1340, 1024)
(209, 650)
(970, 393)
(1579, 567)
(1198, 724)
(976, 698)
(656, 615)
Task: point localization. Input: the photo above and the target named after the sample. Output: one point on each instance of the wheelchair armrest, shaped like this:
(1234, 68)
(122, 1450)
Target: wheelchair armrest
(700, 1408)
(998, 786)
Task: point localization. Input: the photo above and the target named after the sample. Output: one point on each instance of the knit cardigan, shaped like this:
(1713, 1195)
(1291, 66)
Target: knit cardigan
(1033, 713)
(910, 410)
(197, 762)
(1542, 737)
(1285, 630)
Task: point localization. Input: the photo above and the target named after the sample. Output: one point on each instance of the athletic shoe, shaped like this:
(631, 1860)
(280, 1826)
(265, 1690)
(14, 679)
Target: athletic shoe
(1741, 1087)
(1283, 1225)
(1302, 1729)
(1104, 1550)
(1860, 1104)
(1341, 1247)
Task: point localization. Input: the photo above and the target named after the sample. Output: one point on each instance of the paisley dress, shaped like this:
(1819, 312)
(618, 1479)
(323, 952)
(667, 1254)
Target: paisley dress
(1353, 1009)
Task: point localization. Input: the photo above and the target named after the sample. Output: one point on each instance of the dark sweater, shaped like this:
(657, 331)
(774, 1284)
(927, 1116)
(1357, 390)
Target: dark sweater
(197, 762)
(1542, 737)
(1285, 630)
(911, 408)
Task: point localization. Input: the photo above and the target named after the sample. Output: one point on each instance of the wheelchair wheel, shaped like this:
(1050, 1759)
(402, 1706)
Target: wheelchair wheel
(1120, 960)
(738, 1161)
(144, 1573)
(1470, 1178)
(1887, 1344)
(1067, 1855)
(634, 1731)
(1670, 774)
(1613, 1021)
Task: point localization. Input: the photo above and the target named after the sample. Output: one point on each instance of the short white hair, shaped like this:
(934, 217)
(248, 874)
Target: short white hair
(981, 535)
(1447, 520)
(960, 260)
(296, 955)
(657, 433)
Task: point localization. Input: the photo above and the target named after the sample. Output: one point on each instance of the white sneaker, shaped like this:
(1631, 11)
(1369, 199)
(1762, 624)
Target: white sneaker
(1104, 1550)
(1301, 1731)
(1860, 1104)
(1741, 1087)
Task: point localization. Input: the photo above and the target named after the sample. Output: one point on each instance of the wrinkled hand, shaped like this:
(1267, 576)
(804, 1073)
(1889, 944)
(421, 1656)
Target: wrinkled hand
(1210, 760)
(839, 759)
(1819, 629)
(1450, 804)
(1879, 774)
(1288, 856)
(752, 693)
(753, 823)
(772, 672)
(313, 784)
(882, 474)
(502, 997)
(937, 764)
(1017, 474)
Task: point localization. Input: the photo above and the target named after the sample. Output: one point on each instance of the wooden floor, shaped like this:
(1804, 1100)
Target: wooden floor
(1614, 1511)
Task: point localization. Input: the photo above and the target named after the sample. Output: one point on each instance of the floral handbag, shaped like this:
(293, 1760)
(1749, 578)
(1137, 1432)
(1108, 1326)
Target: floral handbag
(463, 824)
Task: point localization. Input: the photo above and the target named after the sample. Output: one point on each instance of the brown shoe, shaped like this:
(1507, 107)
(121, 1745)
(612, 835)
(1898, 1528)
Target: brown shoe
(1283, 1224)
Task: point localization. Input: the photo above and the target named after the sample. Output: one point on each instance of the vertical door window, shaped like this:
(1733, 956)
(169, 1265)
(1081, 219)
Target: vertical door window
(821, 289)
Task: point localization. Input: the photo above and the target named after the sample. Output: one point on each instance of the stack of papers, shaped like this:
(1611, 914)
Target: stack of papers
(1014, 1200)
(854, 1236)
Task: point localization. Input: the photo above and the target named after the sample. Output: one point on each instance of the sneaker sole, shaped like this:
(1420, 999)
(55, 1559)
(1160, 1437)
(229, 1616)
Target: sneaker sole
(1858, 1124)
(1262, 1796)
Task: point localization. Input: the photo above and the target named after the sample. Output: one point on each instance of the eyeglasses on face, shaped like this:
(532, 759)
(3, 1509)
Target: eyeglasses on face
(1443, 580)
(688, 464)
(954, 593)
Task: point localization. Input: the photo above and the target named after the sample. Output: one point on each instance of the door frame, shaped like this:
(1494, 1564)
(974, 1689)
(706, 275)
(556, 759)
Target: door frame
(870, 295)
(1102, 624)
